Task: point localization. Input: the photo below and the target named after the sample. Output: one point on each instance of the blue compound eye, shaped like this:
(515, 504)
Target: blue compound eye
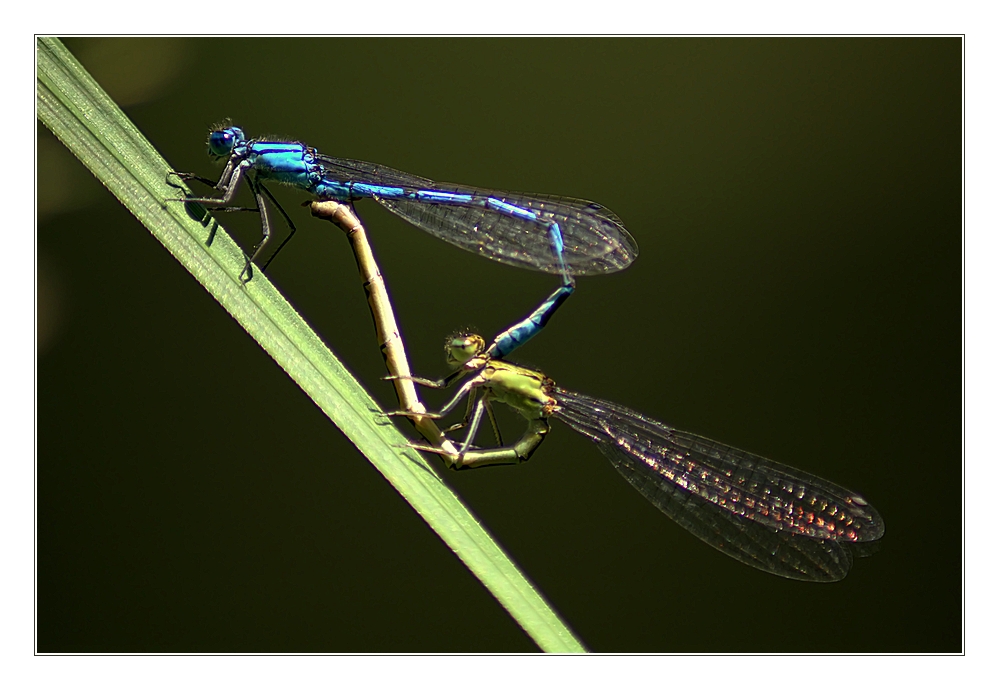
(221, 142)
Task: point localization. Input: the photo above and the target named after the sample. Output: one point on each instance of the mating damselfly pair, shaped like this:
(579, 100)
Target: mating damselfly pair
(762, 513)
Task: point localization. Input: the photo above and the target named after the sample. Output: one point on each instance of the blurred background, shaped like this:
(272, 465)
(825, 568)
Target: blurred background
(798, 207)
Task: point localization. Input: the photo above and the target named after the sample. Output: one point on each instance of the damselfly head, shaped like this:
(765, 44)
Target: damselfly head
(222, 141)
(463, 347)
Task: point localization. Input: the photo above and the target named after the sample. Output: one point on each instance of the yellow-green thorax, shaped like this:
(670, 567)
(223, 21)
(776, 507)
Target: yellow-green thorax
(524, 390)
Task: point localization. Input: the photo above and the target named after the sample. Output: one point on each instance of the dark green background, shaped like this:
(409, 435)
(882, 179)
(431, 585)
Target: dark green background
(798, 207)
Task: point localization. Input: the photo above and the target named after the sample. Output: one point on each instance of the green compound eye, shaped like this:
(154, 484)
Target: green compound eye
(463, 348)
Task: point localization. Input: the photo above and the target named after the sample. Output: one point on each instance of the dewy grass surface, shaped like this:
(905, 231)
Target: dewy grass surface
(83, 117)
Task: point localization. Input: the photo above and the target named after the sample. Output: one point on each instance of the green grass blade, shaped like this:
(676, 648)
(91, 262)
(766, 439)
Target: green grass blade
(82, 116)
